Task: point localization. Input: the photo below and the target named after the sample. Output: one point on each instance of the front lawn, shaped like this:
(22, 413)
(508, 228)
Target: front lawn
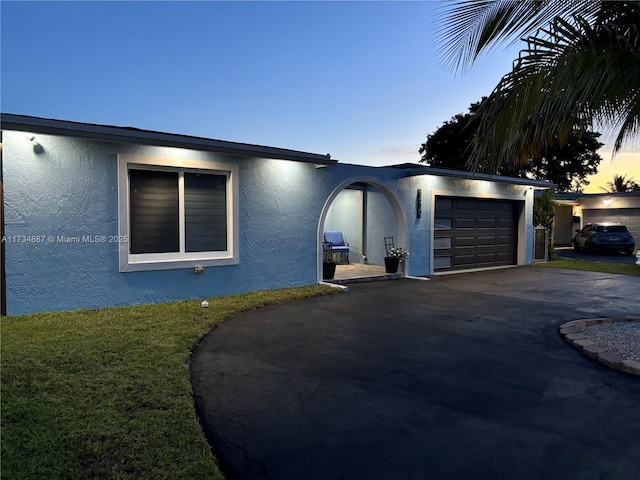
(592, 266)
(106, 393)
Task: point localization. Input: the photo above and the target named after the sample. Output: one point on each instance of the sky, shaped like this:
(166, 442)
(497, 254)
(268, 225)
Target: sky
(361, 80)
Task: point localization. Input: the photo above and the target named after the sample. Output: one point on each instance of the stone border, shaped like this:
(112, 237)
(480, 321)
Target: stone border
(571, 333)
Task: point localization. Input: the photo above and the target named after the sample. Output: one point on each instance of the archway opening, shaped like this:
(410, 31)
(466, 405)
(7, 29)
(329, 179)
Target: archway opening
(365, 211)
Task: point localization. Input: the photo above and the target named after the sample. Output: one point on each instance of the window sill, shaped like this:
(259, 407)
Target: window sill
(177, 264)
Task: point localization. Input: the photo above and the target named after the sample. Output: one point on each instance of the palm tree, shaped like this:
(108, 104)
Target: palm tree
(580, 69)
(620, 183)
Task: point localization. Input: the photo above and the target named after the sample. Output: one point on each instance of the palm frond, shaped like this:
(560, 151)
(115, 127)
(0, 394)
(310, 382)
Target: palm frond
(469, 27)
(571, 76)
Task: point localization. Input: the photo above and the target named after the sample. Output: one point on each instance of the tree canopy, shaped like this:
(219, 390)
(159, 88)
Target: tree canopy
(580, 69)
(568, 165)
(621, 183)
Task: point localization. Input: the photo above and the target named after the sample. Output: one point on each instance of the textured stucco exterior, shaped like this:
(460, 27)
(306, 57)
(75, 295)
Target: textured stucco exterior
(61, 202)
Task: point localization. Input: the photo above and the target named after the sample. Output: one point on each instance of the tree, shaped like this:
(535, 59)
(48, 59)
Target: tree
(448, 146)
(580, 69)
(567, 166)
(621, 183)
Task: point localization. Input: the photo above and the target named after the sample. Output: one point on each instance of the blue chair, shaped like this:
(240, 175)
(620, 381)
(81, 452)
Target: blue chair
(338, 244)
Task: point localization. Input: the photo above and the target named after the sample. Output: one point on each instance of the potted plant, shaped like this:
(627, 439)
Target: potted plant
(393, 259)
(328, 263)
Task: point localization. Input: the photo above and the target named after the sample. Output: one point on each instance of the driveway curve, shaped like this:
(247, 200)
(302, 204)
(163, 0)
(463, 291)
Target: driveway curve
(464, 376)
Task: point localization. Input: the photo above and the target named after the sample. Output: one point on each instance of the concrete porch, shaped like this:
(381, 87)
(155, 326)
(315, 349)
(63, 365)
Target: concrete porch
(359, 272)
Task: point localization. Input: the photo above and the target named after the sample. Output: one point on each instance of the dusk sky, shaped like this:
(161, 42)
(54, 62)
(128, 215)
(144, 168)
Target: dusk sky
(359, 80)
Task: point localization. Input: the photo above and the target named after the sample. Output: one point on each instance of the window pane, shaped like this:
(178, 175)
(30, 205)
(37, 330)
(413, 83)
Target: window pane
(442, 242)
(205, 212)
(442, 224)
(154, 211)
(442, 262)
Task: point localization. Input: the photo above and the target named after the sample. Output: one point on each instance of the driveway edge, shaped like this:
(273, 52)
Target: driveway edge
(572, 333)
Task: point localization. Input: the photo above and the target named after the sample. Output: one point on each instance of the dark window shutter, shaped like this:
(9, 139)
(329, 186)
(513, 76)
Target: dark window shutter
(205, 212)
(153, 211)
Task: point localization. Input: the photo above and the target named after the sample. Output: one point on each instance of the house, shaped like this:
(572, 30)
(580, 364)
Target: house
(96, 216)
(574, 210)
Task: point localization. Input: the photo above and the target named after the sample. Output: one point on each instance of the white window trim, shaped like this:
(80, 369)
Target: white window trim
(167, 261)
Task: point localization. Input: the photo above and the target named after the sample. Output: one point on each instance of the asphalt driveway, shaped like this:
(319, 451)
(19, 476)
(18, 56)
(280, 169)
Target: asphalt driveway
(461, 377)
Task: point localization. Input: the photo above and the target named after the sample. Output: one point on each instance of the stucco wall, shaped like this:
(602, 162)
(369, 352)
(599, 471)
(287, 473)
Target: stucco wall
(420, 231)
(380, 223)
(365, 217)
(345, 215)
(69, 191)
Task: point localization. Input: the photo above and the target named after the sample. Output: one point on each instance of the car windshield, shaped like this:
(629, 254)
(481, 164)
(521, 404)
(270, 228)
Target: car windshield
(612, 229)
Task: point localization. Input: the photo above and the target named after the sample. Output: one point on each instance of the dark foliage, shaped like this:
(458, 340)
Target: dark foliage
(567, 166)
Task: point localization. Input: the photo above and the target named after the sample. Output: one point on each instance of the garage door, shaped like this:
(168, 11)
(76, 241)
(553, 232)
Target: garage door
(623, 216)
(474, 233)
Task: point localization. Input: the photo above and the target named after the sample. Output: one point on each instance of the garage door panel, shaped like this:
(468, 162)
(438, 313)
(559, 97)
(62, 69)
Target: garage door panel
(504, 257)
(485, 258)
(445, 204)
(486, 223)
(462, 205)
(486, 240)
(464, 242)
(483, 233)
(505, 240)
(442, 242)
(487, 205)
(464, 260)
(464, 223)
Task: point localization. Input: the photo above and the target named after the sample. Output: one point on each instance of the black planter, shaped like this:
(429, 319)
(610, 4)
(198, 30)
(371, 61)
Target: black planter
(391, 264)
(328, 270)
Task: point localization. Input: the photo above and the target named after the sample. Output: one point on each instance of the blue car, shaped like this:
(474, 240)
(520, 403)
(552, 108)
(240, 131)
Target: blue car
(595, 236)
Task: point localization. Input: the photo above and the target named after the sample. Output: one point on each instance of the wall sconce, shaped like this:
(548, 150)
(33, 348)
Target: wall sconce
(607, 201)
(37, 148)
(419, 204)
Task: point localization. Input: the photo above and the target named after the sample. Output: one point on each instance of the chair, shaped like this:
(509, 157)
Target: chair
(388, 245)
(338, 244)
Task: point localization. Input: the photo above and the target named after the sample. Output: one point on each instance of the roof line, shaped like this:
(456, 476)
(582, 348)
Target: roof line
(445, 172)
(149, 137)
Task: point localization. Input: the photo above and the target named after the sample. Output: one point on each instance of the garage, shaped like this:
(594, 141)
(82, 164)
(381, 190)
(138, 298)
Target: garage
(472, 233)
(630, 217)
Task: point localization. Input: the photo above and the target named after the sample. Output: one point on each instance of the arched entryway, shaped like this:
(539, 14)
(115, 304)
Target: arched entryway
(366, 210)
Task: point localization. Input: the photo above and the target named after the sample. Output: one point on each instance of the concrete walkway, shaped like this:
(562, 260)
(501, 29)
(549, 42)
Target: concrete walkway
(464, 376)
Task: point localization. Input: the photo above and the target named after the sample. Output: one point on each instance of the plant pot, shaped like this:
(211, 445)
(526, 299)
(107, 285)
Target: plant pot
(328, 270)
(391, 264)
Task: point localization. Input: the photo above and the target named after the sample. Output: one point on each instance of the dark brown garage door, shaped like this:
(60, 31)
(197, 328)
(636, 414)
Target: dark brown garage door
(474, 233)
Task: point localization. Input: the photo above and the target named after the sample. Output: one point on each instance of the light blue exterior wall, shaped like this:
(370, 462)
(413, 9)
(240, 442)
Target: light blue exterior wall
(346, 215)
(70, 190)
(380, 223)
(365, 217)
(420, 229)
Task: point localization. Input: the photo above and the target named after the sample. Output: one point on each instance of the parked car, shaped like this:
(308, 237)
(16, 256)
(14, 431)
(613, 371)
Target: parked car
(596, 236)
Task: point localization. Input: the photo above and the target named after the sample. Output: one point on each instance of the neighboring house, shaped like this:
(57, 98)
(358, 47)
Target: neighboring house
(575, 210)
(96, 216)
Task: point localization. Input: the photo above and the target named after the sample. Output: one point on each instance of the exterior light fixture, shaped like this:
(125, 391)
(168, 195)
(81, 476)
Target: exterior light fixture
(607, 201)
(37, 148)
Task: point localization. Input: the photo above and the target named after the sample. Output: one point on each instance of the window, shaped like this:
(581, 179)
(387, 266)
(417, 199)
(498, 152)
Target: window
(176, 213)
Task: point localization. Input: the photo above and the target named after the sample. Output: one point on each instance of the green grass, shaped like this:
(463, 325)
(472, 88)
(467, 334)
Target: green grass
(592, 266)
(106, 393)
